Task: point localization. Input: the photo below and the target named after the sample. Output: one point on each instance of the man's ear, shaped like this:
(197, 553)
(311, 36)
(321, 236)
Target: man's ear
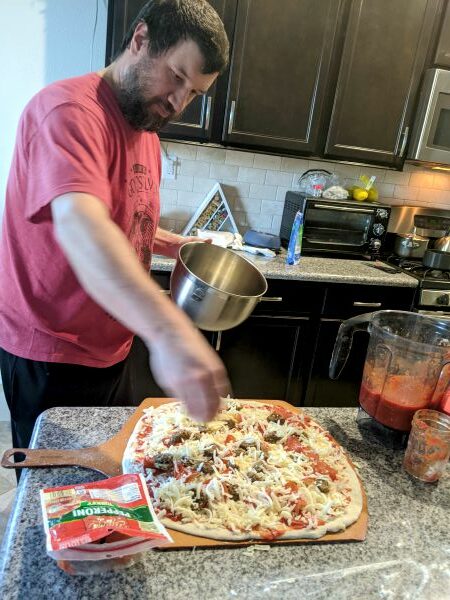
(139, 39)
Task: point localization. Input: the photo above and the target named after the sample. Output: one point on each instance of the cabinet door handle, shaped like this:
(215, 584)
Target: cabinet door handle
(270, 299)
(207, 113)
(370, 304)
(218, 341)
(403, 143)
(231, 117)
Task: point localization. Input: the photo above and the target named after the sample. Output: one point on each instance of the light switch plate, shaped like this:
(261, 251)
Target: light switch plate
(169, 167)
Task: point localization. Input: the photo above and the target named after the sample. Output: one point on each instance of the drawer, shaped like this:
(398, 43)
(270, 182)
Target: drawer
(291, 298)
(343, 302)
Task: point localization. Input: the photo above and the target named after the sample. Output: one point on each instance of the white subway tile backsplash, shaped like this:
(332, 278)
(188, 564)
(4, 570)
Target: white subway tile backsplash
(265, 192)
(255, 185)
(260, 222)
(281, 193)
(441, 181)
(180, 183)
(196, 168)
(211, 154)
(406, 192)
(241, 159)
(428, 195)
(236, 190)
(204, 184)
(278, 178)
(269, 207)
(396, 178)
(251, 175)
(180, 150)
(193, 199)
(421, 180)
(223, 172)
(248, 204)
(294, 165)
(168, 196)
(263, 161)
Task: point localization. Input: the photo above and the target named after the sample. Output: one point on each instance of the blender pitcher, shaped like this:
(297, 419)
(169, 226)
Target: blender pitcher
(407, 364)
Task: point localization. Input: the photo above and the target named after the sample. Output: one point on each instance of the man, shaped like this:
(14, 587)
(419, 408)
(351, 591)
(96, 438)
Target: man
(80, 225)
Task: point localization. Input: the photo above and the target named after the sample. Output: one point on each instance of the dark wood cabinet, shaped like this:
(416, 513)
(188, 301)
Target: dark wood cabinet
(384, 55)
(267, 357)
(335, 78)
(279, 73)
(283, 350)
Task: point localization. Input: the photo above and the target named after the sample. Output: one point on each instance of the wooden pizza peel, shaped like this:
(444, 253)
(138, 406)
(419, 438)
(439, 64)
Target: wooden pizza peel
(107, 460)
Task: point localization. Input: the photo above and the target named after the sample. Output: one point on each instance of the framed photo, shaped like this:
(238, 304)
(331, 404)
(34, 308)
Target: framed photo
(213, 214)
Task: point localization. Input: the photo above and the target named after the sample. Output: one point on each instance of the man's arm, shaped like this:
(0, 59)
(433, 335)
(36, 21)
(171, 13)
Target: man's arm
(107, 267)
(168, 243)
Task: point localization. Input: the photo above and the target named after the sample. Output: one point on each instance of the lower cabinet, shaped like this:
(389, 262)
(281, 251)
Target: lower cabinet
(267, 357)
(323, 391)
(283, 350)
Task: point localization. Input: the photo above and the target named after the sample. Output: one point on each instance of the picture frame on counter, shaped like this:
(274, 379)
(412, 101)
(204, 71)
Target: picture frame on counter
(213, 214)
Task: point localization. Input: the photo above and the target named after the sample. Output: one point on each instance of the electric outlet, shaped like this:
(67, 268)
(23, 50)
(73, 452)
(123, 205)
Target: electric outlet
(169, 167)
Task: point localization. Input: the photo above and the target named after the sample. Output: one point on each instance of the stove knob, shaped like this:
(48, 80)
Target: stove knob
(375, 244)
(443, 300)
(382, 213)
(378, 229)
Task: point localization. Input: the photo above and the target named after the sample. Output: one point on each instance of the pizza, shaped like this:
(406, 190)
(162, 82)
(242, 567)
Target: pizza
(257, 471)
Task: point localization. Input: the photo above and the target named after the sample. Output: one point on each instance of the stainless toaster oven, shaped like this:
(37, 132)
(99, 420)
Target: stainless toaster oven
(340, 227)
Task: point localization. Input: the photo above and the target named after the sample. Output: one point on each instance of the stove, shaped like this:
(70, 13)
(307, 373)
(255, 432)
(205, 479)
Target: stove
(433, 292)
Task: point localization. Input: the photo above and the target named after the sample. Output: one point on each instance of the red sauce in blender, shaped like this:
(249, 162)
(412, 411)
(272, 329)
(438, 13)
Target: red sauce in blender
(399, 399)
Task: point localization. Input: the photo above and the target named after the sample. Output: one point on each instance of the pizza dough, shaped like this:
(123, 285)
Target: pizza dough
(257, 471)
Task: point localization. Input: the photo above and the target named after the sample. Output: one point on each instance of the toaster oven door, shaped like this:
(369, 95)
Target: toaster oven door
(340, 227)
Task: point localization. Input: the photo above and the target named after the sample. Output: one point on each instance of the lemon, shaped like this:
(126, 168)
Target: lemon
(373, 195)
(360, 194)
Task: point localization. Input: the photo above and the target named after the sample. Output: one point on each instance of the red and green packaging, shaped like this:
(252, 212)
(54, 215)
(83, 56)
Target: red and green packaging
(100, 525)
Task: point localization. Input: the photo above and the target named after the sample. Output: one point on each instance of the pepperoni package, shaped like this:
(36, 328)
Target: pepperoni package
(93, 527)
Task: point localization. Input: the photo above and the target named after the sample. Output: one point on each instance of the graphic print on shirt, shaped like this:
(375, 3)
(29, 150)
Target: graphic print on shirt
(141, 188)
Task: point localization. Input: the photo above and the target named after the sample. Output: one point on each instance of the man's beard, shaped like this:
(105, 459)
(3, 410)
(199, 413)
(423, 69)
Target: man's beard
(136, 108)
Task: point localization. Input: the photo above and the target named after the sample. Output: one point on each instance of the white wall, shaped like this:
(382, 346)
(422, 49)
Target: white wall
(42, 41)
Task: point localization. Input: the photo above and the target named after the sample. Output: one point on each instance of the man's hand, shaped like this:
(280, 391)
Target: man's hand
(184, 364)
(168, 243)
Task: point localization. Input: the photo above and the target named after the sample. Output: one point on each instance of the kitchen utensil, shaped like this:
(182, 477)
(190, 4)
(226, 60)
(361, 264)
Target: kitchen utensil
(437, 259)
(215, 286)
(410, 245)
(428, 445)
(107, 459)
(443, 243)
(407, 365)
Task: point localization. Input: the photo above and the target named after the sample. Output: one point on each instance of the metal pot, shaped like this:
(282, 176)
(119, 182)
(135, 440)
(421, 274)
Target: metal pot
(216, 287)
(443, 243)
(410, 245)
(437, 259)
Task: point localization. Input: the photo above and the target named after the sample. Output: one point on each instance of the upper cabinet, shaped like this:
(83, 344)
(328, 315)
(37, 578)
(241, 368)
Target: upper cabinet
(384, 55)
(279, 73)
(335, 78)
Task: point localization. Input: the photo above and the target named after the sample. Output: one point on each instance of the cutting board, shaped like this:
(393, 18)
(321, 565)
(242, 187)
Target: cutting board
(107, 459)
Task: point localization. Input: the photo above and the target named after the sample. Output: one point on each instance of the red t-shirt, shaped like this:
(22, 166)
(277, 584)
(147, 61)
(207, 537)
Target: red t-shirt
(72, 137)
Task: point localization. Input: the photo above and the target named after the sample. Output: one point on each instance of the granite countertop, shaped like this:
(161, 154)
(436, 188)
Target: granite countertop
(405, 555)
(329, 270)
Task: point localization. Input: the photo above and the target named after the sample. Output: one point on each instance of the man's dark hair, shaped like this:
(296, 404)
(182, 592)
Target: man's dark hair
(172, 21)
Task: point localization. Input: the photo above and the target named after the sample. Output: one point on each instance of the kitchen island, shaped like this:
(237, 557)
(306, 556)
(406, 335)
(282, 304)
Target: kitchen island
(405, 554)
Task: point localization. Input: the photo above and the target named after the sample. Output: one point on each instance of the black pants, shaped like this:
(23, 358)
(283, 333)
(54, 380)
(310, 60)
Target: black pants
(32, 387)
